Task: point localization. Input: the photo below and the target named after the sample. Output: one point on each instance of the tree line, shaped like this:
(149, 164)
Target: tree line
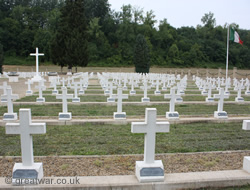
(108, 38)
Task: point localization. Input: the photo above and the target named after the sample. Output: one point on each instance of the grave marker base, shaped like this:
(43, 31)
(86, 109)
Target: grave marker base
(204, 93)
(9, 116)
(65, 116)
(246, 125)
(157, 92)
(239, 99)
(209, 99)
(40, 100)
(179, 100)
(220, 115)
(132, 92)
(110, 100)
(164, 88)
(27, 175)
(227, 92)
(246, 164)
(145, 99)
(3, 100)
(106, 92)
(54, 92)
(149, 172)
(29, 92)
(247, 92)
(121, 115)
(76, 100)
(172, 115)
(125, 88)
(81, 92)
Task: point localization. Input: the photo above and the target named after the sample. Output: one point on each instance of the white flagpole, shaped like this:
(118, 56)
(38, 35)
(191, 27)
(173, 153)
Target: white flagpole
(226, 90)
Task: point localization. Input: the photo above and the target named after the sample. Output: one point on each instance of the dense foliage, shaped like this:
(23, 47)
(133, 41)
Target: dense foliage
(141, 55)
(25, 24)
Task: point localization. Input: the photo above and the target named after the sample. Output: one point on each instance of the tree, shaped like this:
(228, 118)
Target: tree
(141, 55)
(69, 47)
(208, 20)
(1, 58)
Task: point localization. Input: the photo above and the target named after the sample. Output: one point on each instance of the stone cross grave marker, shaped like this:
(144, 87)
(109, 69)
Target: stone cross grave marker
(29, 91)
(64, 115)
(209, 97)
(220, 114)
(76, 87)
(150, 170)
(27, 169)
(145, 87)
(4, 88)
(246, 161)
(119, 114)
(111, 98)
(9, 96)
(40, 87)
(172, 114)
(239, 98)
(37, 77)
(54, 85)
(157, 91)
(132, 91)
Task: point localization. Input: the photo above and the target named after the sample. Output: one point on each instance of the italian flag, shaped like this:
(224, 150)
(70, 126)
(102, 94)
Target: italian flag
(234, 36)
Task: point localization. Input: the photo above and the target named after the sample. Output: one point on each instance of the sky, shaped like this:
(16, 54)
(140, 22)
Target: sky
(189, 12)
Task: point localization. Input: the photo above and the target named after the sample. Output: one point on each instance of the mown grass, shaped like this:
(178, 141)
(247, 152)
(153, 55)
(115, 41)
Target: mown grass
(131, 110)
(105, 139)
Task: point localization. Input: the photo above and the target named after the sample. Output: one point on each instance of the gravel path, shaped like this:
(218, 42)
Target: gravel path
(125, 165)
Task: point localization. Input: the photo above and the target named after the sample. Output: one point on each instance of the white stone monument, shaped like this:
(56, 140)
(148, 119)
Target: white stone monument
(29, 92)
(40, 87)
(145, 88)
(209, 97)
(220, 114)
(119, 114)
(9, 96)
(4, 88)
(76, 87)
(150, 170)
(157, 91)
(239, 98)
(111, 98)
(246, 161)
(27, 170)
(64, 115)
(132, 91)
(172, 114)
(37, 77)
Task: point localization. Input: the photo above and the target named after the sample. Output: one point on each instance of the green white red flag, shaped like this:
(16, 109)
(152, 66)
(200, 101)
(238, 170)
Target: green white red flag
(234, 36)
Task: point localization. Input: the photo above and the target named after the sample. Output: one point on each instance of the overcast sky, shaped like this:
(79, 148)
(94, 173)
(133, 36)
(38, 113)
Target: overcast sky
(189, 12)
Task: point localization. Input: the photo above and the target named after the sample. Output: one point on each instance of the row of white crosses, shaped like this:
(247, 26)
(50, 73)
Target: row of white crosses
(148, 170)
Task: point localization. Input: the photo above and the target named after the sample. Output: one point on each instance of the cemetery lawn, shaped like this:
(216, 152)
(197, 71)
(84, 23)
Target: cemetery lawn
(104, 139)
(93, 110)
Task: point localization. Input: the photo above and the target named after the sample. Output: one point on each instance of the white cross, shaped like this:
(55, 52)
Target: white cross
(76, 87)
(145, 88)
(26, 129)
(64, 96)
(119, 98)
(221, 96)
(4, 87)
(9, 96)
(29, 83)
(37, 60)
(172, 96)
(40, 87)
(150, 127)
(209, 90)
(111, 87)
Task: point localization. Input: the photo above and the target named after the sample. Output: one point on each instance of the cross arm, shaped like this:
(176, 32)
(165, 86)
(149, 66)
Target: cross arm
(12, 128)
(38, 128)
(138, 127)
(162, 127)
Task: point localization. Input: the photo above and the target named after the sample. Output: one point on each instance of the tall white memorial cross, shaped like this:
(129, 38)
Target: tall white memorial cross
(145, 169)
(157, 91)
(4, 88)
(65, 115)
(26, 129)
(221, 96)
(40, 87)
(37, 54)
(132, 91)
(119, 114)
(172, 114)
(9, 96)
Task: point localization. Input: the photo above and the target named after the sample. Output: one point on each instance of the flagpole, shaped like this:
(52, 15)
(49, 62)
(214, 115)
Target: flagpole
(226, 90)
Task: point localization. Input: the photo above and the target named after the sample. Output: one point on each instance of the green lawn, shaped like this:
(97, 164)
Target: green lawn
(105, 139)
